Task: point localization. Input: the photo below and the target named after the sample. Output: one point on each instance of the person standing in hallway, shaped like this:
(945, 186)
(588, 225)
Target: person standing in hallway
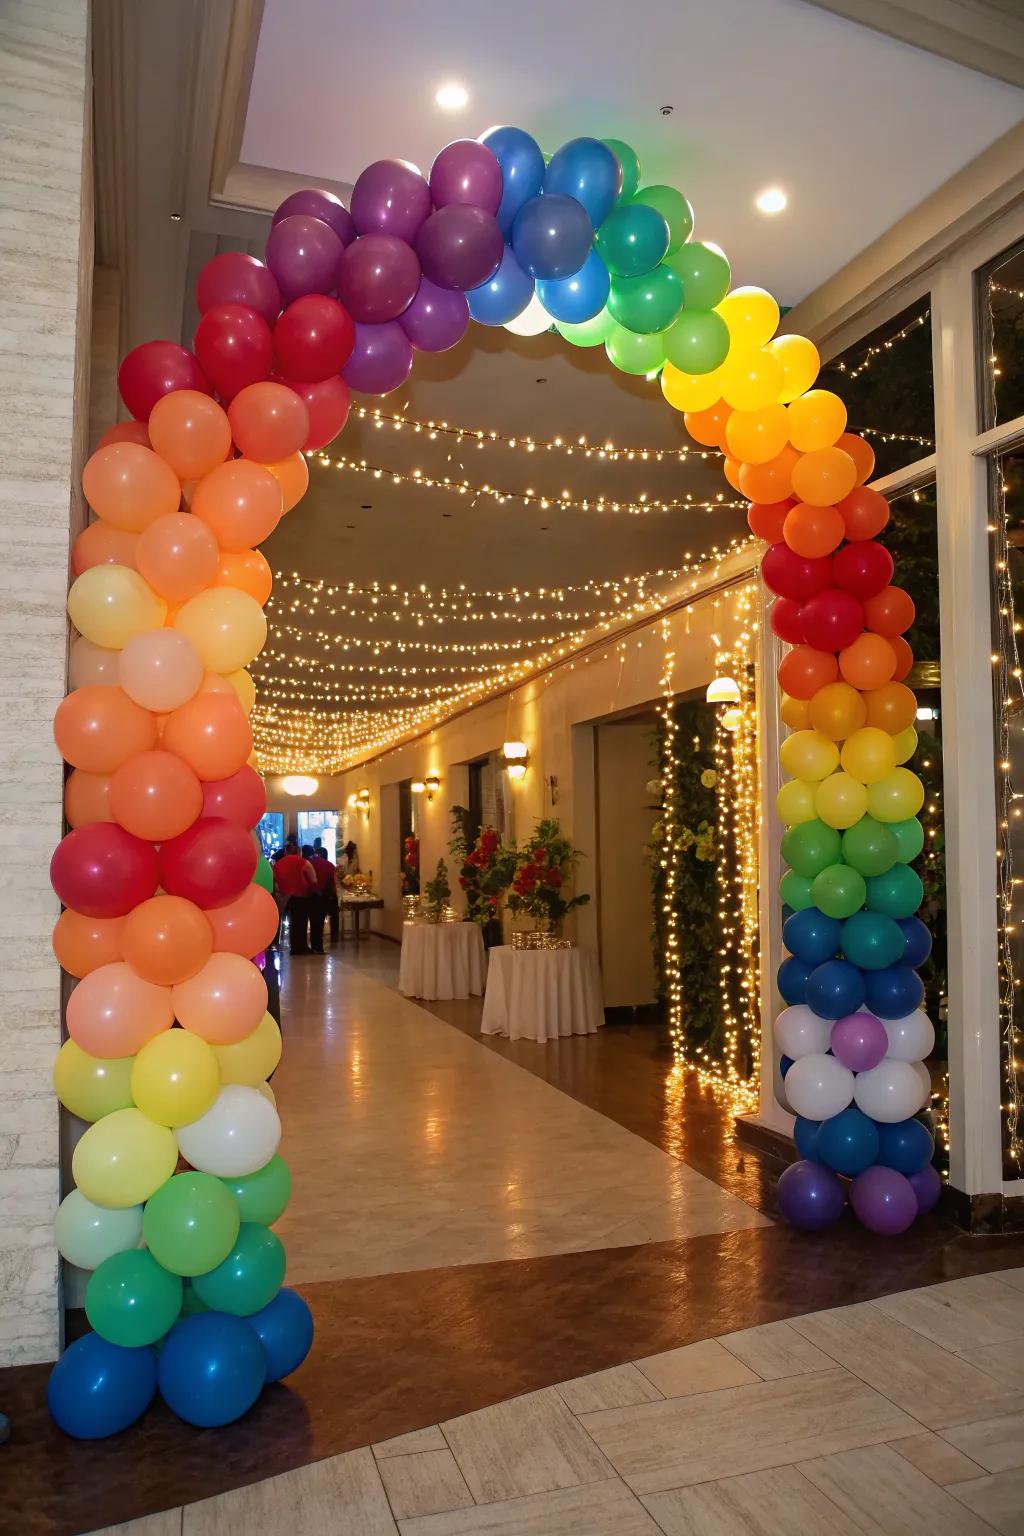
(327, 887)
(348, 864)
(295, 881)
(316, 903)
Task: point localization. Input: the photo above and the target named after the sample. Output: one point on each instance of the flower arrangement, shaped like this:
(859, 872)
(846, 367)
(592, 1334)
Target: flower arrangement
(438, 892)
(486, 867)
(411, 865)
(358, 884)
(543, 871)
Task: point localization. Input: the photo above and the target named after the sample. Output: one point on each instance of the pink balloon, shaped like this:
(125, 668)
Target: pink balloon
(377, 278)
(318, 203)
(224, 1002)
(114, 1012)
(235, 278)
(160, 669)
(466, 172)
(390, 198)
(303, 255)
(859, 1041)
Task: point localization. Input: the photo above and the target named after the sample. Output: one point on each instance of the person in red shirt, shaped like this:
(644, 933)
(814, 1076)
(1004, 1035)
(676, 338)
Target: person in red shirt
(295, 881)
(327, 890)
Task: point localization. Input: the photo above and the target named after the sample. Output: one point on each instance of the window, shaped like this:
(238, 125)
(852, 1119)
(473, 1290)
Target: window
(319, 824)
(885, 379)
(1001, 303)
(270, 828)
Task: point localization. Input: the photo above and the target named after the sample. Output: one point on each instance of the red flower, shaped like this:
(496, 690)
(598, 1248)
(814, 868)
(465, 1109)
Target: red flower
(554, 878)
(488, 841)
(463, 881)
(540, 855)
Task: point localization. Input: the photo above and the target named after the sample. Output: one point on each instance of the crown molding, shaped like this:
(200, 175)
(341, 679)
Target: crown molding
(984, 35)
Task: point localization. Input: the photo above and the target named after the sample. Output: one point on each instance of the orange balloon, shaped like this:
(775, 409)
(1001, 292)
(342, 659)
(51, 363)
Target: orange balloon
(98, 728)
(865, 513)
(90, 663)
(126, 432)
(904, 658)
(889, 612)
(803, 670)
(246, 925)
(248, 570)
(891, 708)
(869, 662)
(268, 421)
(836, 711)
(113, 1012)
(211, 733)
(731, 468)
(796, 713)
(224, 1002)
(708, 427)
(191, 431)
(166, 940)
(240, 502)
(130, 486)
(862, 454)
(292, 475)
(103, 544)
(824, 477)
(87, 798)
(757, 437)
(83, 943)
(772, 481)
(155, 795)
(765, 519)
(813, 531)
(177, 555)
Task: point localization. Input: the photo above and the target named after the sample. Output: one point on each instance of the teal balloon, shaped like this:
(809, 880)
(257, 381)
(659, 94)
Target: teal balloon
(674, 209)
(871, 940)
(264, 874)
(647, 303)
(250, 1276)
(632, 239)
(909, 837)
(810, 847)
(897, 893)
(705, 271)
(634, 353)
(263, 1195)
(870, 847)
(191, 1302)
(630, 163)
(132, 1300)
(698, 342)
(838, 890)
(589, 333)
(795, 891)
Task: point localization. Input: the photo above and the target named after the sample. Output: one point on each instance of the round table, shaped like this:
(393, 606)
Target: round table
(441, 961)
(542, 994)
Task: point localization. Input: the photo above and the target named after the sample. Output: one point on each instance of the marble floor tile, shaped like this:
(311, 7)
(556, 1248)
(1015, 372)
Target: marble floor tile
(774, 1350)
(621, 1387)
(424, 1483)
(599, 1509)
(714, 1435)
(532, 1444)
(167, 1523)
(936, 1458)
(1004, 1361)
(776, 1502)
(342, 1494)
(996, 1444)
(1013, 1277)
(883, 1495)
(408, 1445)
(998, 1499)
(960, 1314)
(702, 1367)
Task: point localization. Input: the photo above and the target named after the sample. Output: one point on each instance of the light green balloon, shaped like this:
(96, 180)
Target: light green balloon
(674, 209)
(251, 1275)
(191, 1223)
(132, 1300)
(705, 271)
(263, 1195)
(647, 303)
(635, 354)
(698, 342)
(264, 874)
(839, 891)
(870, 847)
(810, 847)
(630, 162)
(795, 891)
(588, 333)
(86, 1233)
(909, 837)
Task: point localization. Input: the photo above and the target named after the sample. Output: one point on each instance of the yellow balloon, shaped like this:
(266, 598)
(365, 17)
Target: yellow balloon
(795, 712)
(251, 1060)
(123, 1159)
(757, 436)
(751, 380)
(816, 420)
(91, 1086)
(795, 802)
(840, 801)
(111, 604)
(267, 1092)
(905, 742)
(244, 686)
(175, 1078)
(227, 627)
(808, 755)
(897, 797)
(869, 755)
(690, 391)
(800, 364)
(752, 316)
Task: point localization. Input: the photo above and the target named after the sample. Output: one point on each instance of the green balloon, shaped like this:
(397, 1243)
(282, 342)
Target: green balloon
(674, 209)
(588, 333)
(630, 162)
(698, 341)
(191, 1223)
(909, 837)
(632, 353)
(191, 1302)
(263, 1195)
(705, 272)
(251, 1275)
(632, 239)
(647, 303)
(872, 940)
(869, 847)
(795, 891)
(810, 847)
(897, 893)
(264, 874)
(838, 891)
(132, 1300)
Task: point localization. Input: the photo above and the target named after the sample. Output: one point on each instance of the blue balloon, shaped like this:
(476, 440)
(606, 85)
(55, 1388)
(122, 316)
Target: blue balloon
(848, 1142)
(98, 1388)
(908, 1146)
(212, 1368)
(872, 940)
(893, 992)
(785, 1062)
(811, 936)
(792, 980)
(505, 296)
(284, 1327)
(552, 236)
(810, 1196)
(835, 989)
(579, 297)
(918, 940)
(522, 170)
(805, 1134)
(590, 172)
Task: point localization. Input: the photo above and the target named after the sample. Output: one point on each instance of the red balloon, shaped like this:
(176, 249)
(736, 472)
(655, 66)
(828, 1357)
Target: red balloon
(904, 658)
(153, 370)
(831, 620)
(241, 798)
(126, 432)
(328, 405)
(890, 612)
(765, 519)
(785, 617)
(862, 569)
(210, 864)
(235, 278)
(103, 871)
(791, 575)
(803, 670)
(314, 338)
(234, 345)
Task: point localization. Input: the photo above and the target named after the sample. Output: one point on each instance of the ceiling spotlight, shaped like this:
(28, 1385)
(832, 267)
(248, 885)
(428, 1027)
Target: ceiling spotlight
(771, 200)
(452, 97)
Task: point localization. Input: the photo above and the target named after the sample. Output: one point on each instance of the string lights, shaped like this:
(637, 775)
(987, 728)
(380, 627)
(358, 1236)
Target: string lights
(882, 347)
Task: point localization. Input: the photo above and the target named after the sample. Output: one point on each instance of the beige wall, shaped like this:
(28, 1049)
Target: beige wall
(626, 760)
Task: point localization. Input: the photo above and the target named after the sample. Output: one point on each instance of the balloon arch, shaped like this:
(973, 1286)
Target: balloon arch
(167, 908)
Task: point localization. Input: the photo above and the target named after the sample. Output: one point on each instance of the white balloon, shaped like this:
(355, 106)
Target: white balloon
(530, 321)
(800, 1032)
(91, 663)
(87, 1234)
(238, 1134)
(925, 1078)
(818, 1086)
(891, 1091)
(911, 1038)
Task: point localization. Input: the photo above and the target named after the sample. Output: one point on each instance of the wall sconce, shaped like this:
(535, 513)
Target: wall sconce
(352, 802)
(723, 690)
(417, 787)
(515, 758)
(732, 719)
(432, 783)
(300, 784)
(363, 801)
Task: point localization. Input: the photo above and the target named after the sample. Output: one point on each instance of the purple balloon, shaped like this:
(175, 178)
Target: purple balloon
(883, 1200)
(303, 254)
(859, 1041)
(466, 172)
(377, 278)
(927, 1187)
(381, 359)
(460, 247)
(810, 1196)
(390, 198)
(319, 204)
(436, 319)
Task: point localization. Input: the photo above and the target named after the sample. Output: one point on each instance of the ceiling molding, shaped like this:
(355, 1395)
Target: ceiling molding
(984, 35)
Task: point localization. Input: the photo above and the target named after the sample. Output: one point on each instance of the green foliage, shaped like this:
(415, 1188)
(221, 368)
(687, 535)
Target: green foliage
(543, 869)
(438, 891)
(486, 867)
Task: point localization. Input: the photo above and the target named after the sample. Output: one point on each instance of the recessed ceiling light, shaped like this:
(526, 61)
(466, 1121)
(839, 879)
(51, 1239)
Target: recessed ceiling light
(771, 200)
(452, 97)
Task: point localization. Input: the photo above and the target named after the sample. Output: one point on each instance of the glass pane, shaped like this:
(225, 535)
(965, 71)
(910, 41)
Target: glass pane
(271, 832)
(1001, 298)
(886, 381)
(319, 827)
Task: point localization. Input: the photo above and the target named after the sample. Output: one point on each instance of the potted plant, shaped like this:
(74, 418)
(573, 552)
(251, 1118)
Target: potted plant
(542, 876)
(485, 873)
(438, 893)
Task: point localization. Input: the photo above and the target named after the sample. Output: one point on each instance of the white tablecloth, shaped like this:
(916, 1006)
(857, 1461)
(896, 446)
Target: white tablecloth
(540, 994)
(441, 960)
